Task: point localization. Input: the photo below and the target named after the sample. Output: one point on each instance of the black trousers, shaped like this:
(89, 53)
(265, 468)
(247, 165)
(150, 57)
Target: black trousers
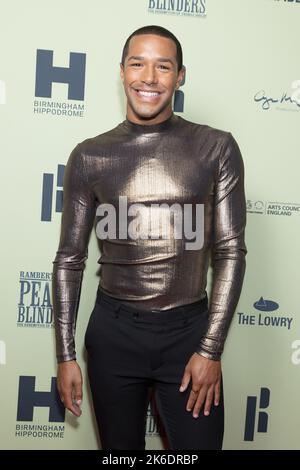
(130, 351)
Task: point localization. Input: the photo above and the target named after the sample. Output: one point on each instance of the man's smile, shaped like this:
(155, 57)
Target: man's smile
(146, 95)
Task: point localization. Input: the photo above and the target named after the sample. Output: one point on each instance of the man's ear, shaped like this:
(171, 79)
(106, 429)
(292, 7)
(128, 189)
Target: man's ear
(180, 78)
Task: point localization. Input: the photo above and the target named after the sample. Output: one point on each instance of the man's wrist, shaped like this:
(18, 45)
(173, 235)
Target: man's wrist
(66, 358)
(209, 355)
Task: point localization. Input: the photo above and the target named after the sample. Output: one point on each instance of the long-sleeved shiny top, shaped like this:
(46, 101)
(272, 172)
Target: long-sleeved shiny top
(173, 162)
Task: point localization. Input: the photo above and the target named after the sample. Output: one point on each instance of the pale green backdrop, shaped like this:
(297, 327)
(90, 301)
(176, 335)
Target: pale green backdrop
(237, 49)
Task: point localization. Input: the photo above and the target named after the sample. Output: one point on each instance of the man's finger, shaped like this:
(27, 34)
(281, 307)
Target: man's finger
(70, 403)
(73, 408)
(200, 401)
(67, 399)
(209, 400)
(194, 393)
(78, 393)
(65, 394)
(217, 392)
(185, 380)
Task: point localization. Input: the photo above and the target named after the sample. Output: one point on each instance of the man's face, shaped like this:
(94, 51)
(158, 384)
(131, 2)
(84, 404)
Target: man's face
(150, 77)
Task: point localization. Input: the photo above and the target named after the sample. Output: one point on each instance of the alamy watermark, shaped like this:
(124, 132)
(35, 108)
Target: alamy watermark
(2, 92)
(296, 93)
(152, 221)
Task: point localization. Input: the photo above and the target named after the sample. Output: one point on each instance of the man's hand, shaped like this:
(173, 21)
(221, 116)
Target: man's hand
(69, 384)
(206, 383)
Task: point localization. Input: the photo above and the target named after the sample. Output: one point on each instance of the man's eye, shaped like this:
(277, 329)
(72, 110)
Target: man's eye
(136, 64)
(164, 67)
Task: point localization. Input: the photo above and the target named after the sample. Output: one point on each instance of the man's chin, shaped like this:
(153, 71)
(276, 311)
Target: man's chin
(147, 114)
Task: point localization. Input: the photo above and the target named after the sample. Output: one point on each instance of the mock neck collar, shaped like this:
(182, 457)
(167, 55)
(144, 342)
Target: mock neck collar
(151, 128)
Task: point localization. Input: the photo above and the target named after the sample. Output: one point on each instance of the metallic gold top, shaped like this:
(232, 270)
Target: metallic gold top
(175, 161)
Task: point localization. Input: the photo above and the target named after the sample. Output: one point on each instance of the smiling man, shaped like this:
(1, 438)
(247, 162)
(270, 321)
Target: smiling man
(152, 327)
(150, 79)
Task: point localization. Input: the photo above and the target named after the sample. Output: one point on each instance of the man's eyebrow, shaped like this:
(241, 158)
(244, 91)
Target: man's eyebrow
(136, 57)
(165, 59)
(159, 59)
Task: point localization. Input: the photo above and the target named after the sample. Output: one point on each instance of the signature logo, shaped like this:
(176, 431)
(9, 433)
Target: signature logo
(267, 102)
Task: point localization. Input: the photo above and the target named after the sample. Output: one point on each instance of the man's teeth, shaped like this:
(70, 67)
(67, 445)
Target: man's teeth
(147, 93)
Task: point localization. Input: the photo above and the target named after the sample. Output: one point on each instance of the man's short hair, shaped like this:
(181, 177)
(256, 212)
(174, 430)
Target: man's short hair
(159, 31)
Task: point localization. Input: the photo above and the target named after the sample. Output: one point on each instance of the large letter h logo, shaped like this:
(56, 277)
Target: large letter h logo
(46, 73)
(29, 399)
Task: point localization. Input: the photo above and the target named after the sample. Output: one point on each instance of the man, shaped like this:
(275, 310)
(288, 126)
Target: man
(151, 325)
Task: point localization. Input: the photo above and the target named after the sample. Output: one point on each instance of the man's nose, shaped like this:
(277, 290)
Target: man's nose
(149, 75)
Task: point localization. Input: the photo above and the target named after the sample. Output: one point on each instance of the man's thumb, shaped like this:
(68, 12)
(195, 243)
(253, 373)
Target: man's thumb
(185, 381)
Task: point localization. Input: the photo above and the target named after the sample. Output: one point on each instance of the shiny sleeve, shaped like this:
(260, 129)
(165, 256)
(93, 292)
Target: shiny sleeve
(76, 224)
(228, 249)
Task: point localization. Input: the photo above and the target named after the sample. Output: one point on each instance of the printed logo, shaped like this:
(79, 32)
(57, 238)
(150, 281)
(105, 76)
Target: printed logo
(273, 208)
(262, 423)
(293, 2)
(178, 7)
(35, 307)
(47, 74)
(295, 358)
(47, 193)
(262, 319)
(154, 424)
(2, 353)
(287, 101)
(2, 92)
(29, 399)
(265, 305)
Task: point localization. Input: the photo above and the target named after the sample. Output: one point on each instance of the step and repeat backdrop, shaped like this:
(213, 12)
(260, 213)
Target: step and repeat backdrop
(59, 84)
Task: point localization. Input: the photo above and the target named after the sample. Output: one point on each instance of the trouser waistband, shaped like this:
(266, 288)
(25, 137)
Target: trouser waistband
(198, 307)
